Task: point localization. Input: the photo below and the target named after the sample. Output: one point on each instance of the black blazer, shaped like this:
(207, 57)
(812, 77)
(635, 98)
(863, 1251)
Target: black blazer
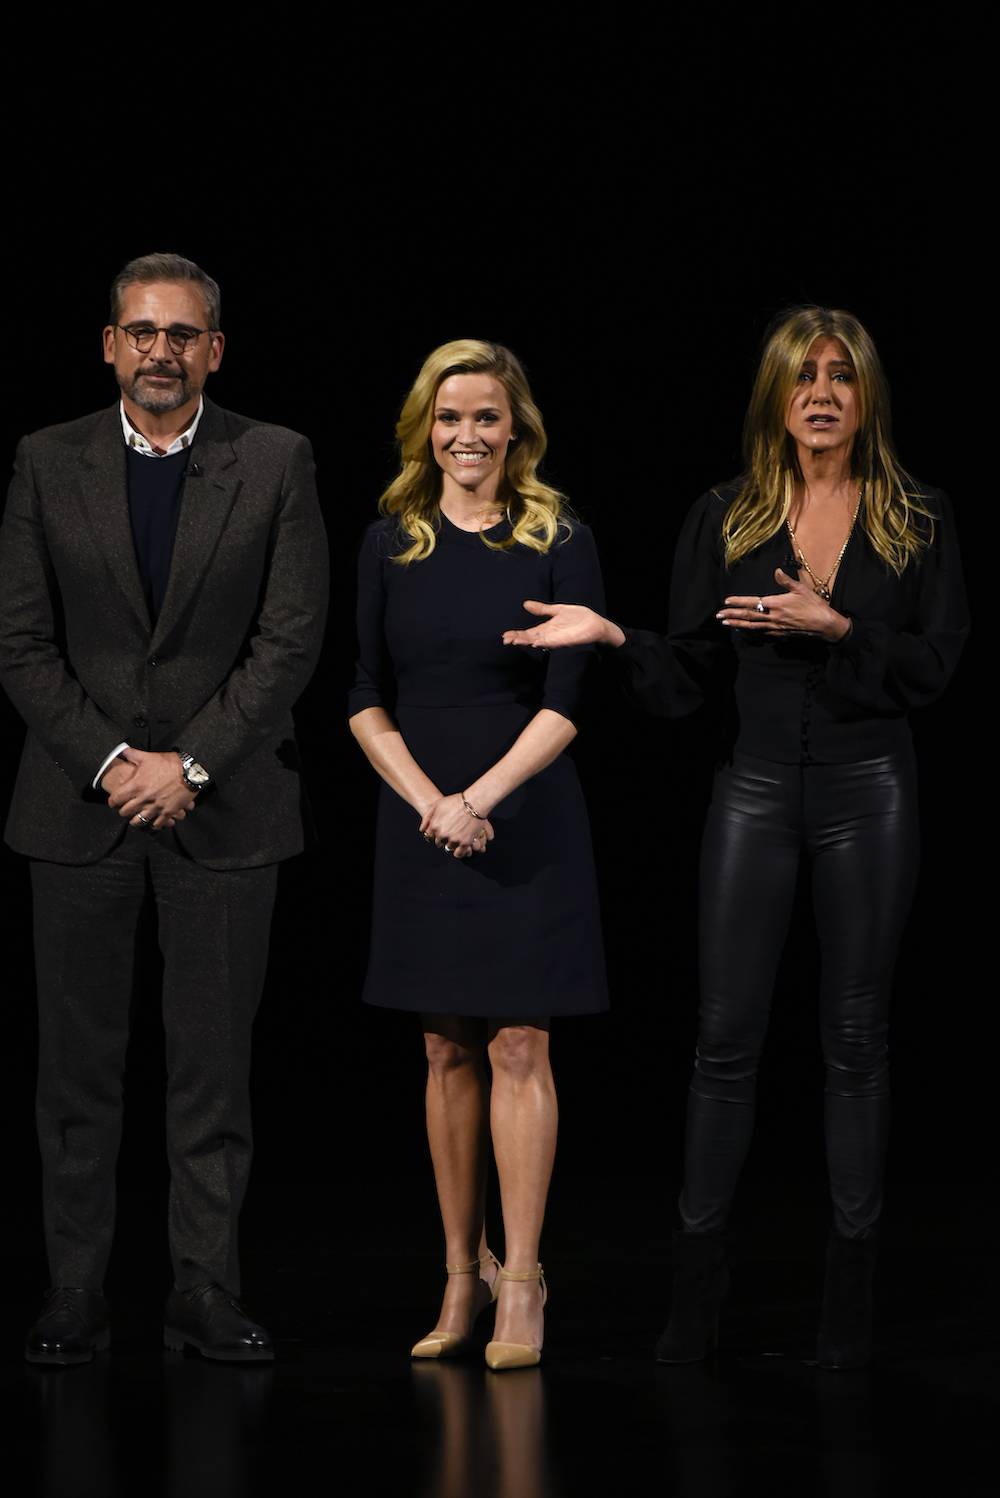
(236, 640)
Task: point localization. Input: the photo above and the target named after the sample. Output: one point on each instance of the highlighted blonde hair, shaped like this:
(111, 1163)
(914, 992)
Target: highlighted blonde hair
(893, 513)
(537, 512)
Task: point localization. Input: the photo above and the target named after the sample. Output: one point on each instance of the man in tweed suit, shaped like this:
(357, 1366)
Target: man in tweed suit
(162, 597)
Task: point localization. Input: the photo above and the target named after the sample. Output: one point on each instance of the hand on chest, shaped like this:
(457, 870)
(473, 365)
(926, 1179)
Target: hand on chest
(861, 584)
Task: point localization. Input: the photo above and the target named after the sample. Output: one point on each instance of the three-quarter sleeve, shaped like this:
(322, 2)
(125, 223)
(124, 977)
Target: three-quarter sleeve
(671, 675)
(374, 683)
(576, 578)
(889, 669)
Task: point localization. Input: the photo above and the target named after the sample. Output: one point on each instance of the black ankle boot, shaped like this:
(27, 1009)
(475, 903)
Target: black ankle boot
(701, 1280)
(845, 1328)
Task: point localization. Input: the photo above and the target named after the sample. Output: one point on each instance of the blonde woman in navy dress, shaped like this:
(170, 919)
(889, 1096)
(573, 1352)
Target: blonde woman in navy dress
(485, 917)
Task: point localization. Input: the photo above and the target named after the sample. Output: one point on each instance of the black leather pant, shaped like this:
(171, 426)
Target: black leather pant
(858, 825)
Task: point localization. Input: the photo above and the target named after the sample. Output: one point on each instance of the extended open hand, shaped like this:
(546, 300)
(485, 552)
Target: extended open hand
(567, 624)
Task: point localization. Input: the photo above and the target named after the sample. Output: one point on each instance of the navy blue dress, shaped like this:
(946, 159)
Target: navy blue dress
(515, 931)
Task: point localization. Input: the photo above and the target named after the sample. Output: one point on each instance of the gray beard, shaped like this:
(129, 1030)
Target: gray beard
(147, 398)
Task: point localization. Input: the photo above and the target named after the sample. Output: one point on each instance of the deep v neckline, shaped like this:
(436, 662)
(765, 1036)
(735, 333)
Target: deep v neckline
(824, 587)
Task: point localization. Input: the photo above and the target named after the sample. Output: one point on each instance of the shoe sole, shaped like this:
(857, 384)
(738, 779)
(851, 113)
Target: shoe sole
(68, 1359)
(175, 1341)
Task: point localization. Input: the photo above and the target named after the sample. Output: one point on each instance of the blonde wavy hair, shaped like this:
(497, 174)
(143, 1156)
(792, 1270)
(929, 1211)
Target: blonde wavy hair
(537, 512)
(893, 513)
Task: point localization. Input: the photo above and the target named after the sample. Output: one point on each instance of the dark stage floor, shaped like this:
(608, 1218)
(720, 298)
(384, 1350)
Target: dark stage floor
(344, 1410)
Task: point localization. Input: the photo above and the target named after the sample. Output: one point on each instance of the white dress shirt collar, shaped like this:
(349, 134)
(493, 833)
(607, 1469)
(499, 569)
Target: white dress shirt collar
(143, 445)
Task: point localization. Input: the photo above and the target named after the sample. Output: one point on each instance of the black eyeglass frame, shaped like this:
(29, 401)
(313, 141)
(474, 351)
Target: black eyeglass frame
(190, 336)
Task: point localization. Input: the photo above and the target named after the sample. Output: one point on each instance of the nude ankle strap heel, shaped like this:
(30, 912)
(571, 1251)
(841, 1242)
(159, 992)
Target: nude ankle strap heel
(454, 1344)
(503, 1355)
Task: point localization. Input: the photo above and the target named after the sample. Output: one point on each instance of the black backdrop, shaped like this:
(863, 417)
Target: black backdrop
(628, 219)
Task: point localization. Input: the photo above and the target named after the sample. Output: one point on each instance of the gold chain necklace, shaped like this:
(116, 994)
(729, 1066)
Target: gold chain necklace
(822, 585)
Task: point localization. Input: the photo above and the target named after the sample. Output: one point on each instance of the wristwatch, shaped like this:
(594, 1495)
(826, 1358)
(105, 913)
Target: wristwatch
(196, 777)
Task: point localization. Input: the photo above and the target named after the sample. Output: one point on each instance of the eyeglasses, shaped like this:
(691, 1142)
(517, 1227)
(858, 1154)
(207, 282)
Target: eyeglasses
(142, 336)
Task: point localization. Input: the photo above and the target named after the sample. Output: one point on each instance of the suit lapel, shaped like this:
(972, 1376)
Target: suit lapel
(104, 489)
(210, 487)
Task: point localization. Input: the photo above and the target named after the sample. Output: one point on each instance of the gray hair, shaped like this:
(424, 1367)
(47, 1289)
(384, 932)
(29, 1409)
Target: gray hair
(167, 267)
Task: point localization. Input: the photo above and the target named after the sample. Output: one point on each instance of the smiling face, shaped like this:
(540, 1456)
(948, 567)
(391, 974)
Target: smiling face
(473, 426)
(822, 413)
(161, 381)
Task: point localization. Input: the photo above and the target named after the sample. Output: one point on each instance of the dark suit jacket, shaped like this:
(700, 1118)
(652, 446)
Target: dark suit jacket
(235, 642)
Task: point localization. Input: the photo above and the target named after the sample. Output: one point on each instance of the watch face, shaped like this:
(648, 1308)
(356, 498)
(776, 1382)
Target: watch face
(196, 774)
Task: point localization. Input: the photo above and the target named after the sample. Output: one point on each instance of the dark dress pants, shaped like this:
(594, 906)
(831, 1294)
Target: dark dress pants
(213, 934)
(857, 825)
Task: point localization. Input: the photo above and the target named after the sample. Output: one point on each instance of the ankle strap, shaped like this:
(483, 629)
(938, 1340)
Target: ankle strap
(489, 1257)
(522, 1274)
(526, 1274)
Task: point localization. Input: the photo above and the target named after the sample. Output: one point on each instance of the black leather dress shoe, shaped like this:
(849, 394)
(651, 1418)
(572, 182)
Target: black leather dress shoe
(73, 1325)
(210, 1319)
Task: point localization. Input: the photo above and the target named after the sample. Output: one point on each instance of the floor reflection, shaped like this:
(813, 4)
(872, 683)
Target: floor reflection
(136, 1424)
(75, 1453)
(214, 1412)
(95, 1430)
(488, 1432)
(825, 1422)
(693, 1405)
(849, 1455)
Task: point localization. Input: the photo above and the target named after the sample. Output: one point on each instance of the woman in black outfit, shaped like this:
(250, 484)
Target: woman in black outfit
(823, 590)
(485, 916)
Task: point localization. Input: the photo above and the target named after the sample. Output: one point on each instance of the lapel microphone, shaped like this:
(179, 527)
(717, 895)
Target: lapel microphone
(194, 472)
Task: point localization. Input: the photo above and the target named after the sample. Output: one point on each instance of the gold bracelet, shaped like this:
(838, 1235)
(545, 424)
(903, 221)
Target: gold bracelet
(472, 811)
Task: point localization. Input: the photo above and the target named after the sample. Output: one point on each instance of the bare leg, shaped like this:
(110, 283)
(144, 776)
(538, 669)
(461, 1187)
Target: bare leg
(524, 1119)
(457, 1091)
